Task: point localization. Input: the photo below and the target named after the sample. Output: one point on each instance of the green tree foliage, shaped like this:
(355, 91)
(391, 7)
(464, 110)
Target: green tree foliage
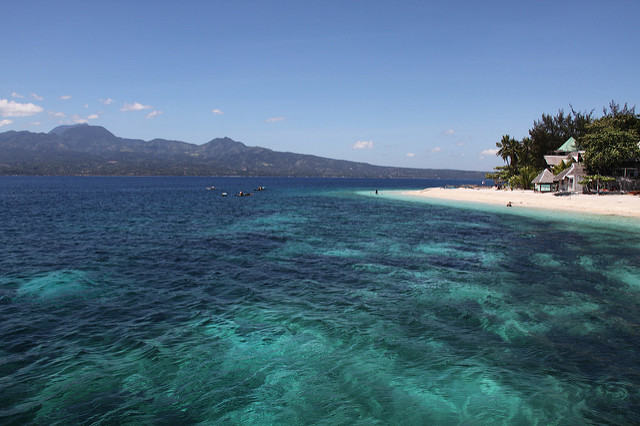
(559, 168)
(612, 141)
(609, 142)
(550, 132)
(546, 135)
(626, 117)
(526, 152)
(508, 150)
(523, 178)
(596, 182)
(608, 147)
(499, 174)
(519, 156)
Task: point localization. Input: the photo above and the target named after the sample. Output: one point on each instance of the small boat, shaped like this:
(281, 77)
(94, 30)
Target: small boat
(243, 194)
(224, 194)
(210, 188)
(260, 188)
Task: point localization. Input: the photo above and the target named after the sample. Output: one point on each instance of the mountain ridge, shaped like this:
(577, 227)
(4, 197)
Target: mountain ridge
(94, 150)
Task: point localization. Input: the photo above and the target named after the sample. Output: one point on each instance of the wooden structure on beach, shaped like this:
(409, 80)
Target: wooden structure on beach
(545, 182)
(569, 179)
(567, 152)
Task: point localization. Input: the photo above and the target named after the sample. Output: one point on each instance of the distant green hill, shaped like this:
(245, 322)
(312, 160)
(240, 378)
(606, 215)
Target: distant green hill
(93, 150)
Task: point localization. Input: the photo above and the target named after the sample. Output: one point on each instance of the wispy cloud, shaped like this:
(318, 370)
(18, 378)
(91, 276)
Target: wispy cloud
(15, 109)
(411, 154)
(362, 145)
(134, 107)
(5, 122)
(107, 101)
(65, 97)
(436, 149)
(16, 95)
(154, 113)
(487, 152)
(217, 111)
(36, 97)
(461, 143)
(35, 123)
(76, 119)
(450, 132)
(275, 119)
(56, 114)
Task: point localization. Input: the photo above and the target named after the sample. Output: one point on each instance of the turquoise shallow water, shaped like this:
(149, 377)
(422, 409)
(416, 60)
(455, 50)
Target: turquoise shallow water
(152, 300)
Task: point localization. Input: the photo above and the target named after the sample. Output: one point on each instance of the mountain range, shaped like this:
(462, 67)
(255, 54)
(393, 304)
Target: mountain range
(93, 150)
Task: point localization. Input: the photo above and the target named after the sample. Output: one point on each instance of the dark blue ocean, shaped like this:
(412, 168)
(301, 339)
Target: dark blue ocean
(155, 301)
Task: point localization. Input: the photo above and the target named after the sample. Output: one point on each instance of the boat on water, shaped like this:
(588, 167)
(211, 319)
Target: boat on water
(244, 194)
(260, 188)
(224, 194)
(211, 188)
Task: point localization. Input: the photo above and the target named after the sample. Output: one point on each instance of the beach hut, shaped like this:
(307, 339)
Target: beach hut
(569, 180)
(544, 182)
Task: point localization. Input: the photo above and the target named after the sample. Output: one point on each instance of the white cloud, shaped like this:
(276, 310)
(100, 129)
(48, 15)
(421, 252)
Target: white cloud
(275, 119)
(134, 107)
(76, 119)
(107, 101)
(35, 123)
(450, 132)
(153, 113)
(36, 97)
(15, 109)
(411, 154)
(217, 111)
(489, 152)
(57, 114)
(86, 105)
(16, 95)
(363, 145)
(5, 122)
(65, 97)
(436, 149)
(460, 143)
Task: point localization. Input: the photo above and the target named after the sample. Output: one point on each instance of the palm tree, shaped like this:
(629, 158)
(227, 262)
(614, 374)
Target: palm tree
(509, 150)
(525, 156)
(513, 149)
(503, 146)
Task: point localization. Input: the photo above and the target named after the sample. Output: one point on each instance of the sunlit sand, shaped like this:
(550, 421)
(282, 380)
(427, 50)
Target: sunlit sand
(606, 204)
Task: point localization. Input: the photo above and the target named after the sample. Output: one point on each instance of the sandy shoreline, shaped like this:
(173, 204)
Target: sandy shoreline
(610, 204)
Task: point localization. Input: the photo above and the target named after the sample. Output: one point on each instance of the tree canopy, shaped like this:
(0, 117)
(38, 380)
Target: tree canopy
(550, 132)
(612, 142)
(609, 142)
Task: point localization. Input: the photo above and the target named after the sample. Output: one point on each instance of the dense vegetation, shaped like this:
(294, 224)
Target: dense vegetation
(610, 142)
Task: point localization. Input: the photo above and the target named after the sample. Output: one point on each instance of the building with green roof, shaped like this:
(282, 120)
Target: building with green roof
(569, 146)
(567, 152)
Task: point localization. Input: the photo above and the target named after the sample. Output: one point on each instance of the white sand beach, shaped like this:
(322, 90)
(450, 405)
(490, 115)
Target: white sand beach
(606, 204)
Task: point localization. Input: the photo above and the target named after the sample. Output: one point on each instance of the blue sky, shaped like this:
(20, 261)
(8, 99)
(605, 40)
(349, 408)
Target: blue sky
(428, 84)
